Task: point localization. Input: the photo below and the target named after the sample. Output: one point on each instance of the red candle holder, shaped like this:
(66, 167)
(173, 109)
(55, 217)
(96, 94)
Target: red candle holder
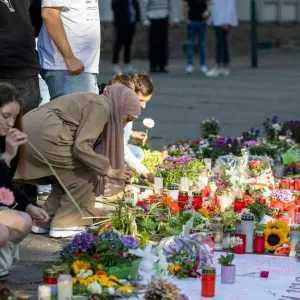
(183, 197)
(259, 242)
(197, 203)
(242, 248)
(297, 184)
(239, 204)
(285, 184)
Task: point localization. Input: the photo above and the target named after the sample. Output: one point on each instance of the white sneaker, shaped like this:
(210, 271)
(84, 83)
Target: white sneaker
(117, 69)
(39, 230)
(129, 70)
(189, 69)
(225, 72)
(213, 73)
(203, 69)
(56, 232)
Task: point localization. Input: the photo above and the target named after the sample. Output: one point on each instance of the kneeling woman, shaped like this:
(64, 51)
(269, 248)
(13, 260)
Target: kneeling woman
(14, 224)
(66, 131)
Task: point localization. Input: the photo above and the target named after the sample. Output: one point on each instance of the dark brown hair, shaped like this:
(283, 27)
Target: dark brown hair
(143, 84)
(123, 79)
(8, 94)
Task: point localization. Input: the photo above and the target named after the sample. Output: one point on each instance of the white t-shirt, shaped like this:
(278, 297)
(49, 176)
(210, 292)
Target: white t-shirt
(82, 25)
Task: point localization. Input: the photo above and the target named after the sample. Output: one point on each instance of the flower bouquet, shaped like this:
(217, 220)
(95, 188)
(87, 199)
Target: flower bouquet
(99, 262)
(174, 168)
(256, 167)
(210, 127)
(186, 254)
(6, 294)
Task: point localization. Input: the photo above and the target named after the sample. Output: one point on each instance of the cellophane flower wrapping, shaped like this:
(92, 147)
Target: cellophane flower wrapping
(265, 177)
(200, 245)
(234, 166)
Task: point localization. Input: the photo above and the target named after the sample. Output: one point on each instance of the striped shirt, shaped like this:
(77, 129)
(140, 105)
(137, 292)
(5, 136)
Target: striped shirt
(157, 9)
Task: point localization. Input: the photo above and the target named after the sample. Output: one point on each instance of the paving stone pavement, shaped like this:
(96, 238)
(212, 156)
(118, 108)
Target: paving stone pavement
(240, 101)
(180, 102)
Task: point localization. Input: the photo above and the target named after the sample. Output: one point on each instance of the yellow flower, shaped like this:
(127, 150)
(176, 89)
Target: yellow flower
(278, 224)
(175, 269)
(112, 281)
(126, 288)
(99, 267)
(83, 281)
(74, 279)
(274, 238)
(103, 280)
(80, 265)
(204, 212)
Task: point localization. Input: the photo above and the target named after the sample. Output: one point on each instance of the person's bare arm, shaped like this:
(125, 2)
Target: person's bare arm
(55, 27)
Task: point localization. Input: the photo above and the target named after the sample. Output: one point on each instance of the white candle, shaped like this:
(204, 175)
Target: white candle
(185, 184)
(44, 292)
(64, 287)
(158, 185)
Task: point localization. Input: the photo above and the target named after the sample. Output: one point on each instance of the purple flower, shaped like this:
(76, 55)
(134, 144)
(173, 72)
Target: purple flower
(250, 143)
(129, 242)
(83, 242)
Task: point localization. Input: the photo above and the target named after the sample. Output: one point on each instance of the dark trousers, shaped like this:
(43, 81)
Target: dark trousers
(222, 50)
(29, 89)
(158, 43)
(123, 36)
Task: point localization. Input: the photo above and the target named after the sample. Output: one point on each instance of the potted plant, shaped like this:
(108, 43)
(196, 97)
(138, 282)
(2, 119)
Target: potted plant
(228, 270)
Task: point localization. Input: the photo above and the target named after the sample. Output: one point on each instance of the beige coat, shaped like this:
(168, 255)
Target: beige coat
(65, 134)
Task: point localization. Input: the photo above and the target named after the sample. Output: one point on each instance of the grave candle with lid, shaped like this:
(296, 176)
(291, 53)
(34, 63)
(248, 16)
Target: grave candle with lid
(247, 228)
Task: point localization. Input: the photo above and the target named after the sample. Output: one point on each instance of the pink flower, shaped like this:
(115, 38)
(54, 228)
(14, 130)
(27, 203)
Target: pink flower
(253, 164)
(6, 197)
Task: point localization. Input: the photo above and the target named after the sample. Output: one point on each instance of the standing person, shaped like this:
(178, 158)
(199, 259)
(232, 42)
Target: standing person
(19, 63)
(196, 13)
(126, 16)
(223, 18)
(15, 224)
(66, 131)
(69, 46)
(156, 13)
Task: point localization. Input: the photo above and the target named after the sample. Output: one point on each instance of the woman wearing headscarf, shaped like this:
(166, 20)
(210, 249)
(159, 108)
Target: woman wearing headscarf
(66, 131)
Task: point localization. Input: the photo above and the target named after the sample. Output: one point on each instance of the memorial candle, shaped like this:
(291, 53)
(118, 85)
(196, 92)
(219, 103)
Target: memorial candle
(64, 287)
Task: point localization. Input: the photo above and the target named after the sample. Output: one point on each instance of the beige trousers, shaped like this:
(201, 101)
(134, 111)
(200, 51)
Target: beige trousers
(9, 254)
(82, 185)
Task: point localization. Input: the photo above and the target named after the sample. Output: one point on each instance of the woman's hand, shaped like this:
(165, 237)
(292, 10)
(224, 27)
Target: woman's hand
(13, 140)
(149, 176)
(117, 174)
(37, 214)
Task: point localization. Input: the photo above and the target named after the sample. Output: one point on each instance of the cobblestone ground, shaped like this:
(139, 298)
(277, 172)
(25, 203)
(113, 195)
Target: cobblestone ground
(180, 102)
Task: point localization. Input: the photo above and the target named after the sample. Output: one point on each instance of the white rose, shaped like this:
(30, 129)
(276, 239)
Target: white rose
(94, 288)
(89, 272)
(149, 123)
(276, 127)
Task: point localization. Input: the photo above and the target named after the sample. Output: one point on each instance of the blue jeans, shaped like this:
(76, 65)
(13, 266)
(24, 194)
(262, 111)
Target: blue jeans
(198, 28)
(62, 83)
(137, 152)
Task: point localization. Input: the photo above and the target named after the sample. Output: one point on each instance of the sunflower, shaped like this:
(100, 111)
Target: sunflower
(274, 238)
(278, 224)
(79, 265)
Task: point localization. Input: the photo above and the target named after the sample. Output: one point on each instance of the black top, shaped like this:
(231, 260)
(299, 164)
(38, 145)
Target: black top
(6, 175)
(18, 57)
(196, 9)
(121, 11)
